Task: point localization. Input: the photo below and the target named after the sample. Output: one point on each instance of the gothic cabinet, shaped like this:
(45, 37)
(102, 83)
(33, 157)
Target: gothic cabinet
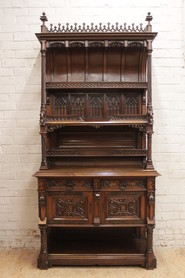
(96, 183)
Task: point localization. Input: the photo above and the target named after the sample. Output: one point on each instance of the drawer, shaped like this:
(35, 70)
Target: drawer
(70, 185)
(123, 208)
(122, 184)
(69, 208)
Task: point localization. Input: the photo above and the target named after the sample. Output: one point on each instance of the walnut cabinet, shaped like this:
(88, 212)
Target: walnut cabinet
(96, 183)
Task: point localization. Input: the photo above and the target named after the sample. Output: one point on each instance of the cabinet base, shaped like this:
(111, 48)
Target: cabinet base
(96, 260)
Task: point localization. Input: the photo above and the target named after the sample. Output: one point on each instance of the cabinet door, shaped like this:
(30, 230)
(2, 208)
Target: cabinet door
(123, 208)
(69, 208)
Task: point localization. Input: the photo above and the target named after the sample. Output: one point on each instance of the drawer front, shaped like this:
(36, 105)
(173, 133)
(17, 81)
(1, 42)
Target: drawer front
(66, 208)
(70, 185)
(123, 208)
(122, 184)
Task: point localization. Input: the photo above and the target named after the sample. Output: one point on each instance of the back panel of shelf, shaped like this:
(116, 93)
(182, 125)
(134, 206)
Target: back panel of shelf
(96, 64)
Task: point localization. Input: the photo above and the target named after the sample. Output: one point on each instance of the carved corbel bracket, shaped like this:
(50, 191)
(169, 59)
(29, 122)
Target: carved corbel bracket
(43, 116)
(150, 114)
(140, 127)
(51, 128)
(42, 199)
(149, 129)
(151, 198)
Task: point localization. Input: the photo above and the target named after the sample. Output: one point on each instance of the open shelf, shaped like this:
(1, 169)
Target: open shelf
(130, 120)
(81, 239)
(95, 246)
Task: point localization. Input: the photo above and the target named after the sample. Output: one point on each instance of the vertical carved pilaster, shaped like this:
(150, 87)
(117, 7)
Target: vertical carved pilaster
(151, 199)
(96, 202)
(42, 205)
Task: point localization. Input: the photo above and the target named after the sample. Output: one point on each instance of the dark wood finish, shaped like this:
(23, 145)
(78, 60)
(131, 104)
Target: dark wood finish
(96, 183)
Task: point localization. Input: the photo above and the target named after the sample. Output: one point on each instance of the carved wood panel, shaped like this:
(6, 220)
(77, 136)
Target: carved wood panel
(95, 105)
(122, 184)
(69, 208)
(70, 184)
(121, 208)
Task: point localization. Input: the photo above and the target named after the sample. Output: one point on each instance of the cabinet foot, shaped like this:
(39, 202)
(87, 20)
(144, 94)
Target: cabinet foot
(151, 264)
(42, 263)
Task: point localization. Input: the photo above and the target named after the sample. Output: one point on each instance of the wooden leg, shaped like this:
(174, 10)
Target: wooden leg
(42, 261)
(150, 257)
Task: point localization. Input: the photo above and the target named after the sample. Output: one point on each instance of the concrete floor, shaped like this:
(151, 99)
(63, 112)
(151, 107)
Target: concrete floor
(21, 263)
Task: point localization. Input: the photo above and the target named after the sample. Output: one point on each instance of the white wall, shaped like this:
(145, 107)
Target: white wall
(20, 104)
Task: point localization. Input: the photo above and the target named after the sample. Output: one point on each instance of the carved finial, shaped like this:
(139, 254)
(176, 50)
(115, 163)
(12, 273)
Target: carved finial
(149, 19)
(43, 18)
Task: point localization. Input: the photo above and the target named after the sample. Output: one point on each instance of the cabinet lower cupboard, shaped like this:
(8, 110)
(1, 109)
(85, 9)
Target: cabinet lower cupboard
(96, 183)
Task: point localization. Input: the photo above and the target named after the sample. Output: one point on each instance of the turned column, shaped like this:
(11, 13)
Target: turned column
(150, 258)
(43, 132)
(149, 164)
(43, 256)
